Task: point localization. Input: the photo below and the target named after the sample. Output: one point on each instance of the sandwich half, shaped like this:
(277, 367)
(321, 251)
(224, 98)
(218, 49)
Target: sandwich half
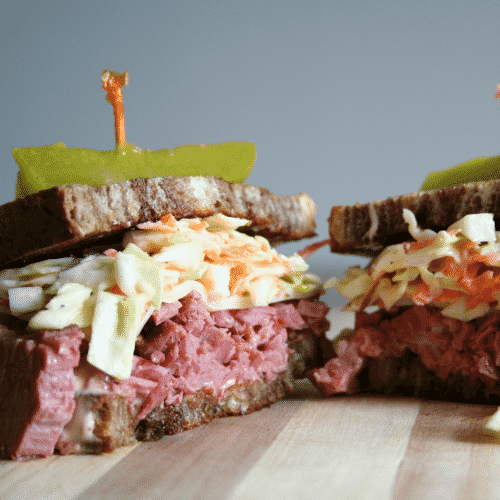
(427, 305)
(140, 309)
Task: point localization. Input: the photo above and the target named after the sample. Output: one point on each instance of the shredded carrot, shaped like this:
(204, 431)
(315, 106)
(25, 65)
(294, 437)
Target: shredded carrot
(422, 294)
(467, 247)
(168, 220)
(157, 226)
(111, 252)
(417, 245)
(452, 268)
(116, 290)
(310, 249)
(484, 286)
(469, 251)
(474, 300)
(473, 275)
(448, 296)
(112, 83)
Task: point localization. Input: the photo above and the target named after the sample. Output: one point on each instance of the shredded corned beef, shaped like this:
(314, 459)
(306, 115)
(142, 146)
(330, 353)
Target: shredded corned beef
(446, 346)
(36, 389)
(166, 311)
(191, 348)
(214, 350)
(315, 315)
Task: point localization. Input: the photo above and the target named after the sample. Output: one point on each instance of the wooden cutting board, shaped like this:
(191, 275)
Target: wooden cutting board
(305, 447)
(359, 447)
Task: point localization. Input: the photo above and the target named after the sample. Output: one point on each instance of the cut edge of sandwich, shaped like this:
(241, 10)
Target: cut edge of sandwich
(64, 217)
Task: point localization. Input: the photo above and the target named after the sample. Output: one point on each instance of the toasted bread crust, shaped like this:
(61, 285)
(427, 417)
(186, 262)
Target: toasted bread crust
(367, 228)
(115, 426)
(408, 376)
(202, 407)
(64, 217)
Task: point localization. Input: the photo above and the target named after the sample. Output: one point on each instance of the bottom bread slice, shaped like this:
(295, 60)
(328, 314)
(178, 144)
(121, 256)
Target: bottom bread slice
(112, 425)
(202, 407)
(408, 376)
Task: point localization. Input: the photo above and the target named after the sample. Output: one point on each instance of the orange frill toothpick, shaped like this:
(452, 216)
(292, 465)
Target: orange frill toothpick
(112, 83)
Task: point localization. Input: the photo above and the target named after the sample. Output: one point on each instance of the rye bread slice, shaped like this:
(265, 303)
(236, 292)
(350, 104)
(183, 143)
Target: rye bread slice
(367, 228)
(407, 376)
(65, 217)
(115, 427)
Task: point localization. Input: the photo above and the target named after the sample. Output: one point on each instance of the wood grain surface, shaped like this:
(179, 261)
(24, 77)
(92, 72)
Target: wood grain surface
(304, 447)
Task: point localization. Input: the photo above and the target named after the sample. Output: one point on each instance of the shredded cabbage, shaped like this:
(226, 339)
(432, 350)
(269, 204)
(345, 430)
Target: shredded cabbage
(416, 233)
(477, 227)
(26, 299)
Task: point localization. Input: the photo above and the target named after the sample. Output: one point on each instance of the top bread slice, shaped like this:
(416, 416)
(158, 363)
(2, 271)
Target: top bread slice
(365, 229)
(66, 217)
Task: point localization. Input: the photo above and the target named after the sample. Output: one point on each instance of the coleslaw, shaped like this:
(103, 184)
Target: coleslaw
(111, 295)
(457, 270)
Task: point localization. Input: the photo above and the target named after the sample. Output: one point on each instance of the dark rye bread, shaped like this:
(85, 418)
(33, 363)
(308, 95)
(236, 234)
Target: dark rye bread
(367, 228)
(65, 217)
(202, 407)
(407, 376)
(115, 426)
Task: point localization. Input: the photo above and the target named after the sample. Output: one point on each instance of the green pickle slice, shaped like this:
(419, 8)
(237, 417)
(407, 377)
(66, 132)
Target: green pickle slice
(48, 166)
(485, 168)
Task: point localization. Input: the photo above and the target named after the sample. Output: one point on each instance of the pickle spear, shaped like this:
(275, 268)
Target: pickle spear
(47, 166)
(484, 168)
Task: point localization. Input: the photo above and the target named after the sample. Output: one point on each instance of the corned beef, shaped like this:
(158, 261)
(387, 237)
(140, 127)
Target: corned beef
(438, 350)
(37, 387)
(215, 350)
(166, 311)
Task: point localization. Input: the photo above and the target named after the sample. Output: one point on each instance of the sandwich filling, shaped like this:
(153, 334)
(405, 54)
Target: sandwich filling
(436, 299)
(187, 305)
(457, 271)
(112, 295)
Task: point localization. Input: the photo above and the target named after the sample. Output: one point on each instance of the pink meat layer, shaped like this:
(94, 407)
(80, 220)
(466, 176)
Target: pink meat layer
(186, 348)
(445, 346)
(37, 386)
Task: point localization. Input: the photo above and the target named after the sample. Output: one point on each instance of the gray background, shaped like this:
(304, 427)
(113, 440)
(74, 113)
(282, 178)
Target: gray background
(346, 100)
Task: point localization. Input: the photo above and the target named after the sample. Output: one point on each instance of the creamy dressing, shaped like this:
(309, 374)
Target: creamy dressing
(373, 222)
(78, 434)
